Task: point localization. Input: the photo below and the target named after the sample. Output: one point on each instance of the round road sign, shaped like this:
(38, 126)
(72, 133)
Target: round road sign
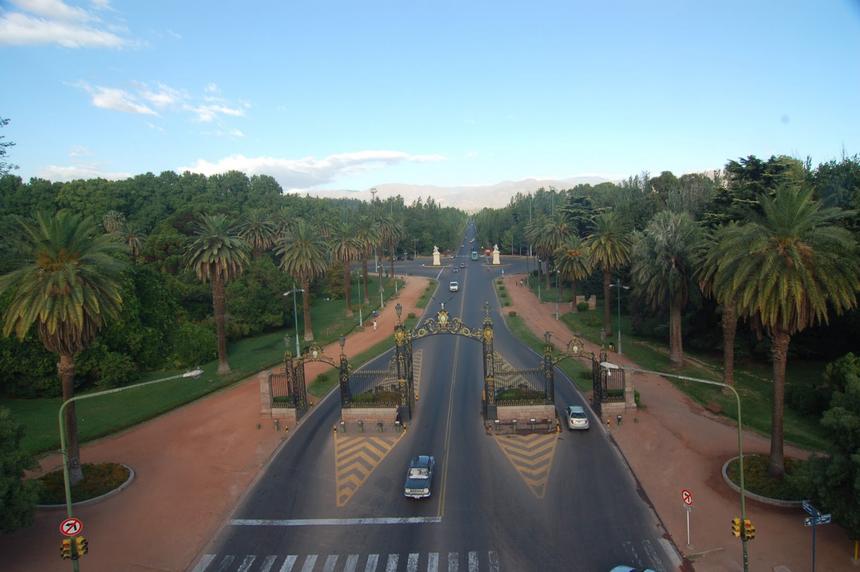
(71, 527)
(687, 497)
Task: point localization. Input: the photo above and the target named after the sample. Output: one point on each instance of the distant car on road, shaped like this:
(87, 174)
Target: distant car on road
(419, 477)
(456, 269)
(453, 286)
(576, 417)
(462, 265)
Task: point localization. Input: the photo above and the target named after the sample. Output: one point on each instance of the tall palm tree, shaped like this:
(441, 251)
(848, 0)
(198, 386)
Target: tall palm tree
(367, 235)
(555, 232)
(258, 230)
(133, 239)
(788, 268)
(609, 250)
(534, 232)
(663, 265)
(304, 256)
(345, 248)
(391, 232)
(69, 288)
(573, 262)
(707, 262)
(217, 255)
(113, 221)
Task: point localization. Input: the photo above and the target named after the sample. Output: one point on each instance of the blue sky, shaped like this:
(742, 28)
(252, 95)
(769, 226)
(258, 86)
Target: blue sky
(348, 95)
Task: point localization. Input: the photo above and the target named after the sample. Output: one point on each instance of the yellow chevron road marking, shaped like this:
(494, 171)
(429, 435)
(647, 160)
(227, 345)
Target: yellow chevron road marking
(355, 458)
(532, 457)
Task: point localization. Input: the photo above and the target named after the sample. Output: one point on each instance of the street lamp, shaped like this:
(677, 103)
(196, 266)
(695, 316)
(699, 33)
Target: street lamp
(295, 316)
(620, 287)
(360, 299)
(611, 366)
(538, 278)
(67, 485)
(557, 292)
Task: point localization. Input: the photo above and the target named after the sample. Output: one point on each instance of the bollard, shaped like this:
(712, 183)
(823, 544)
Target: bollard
(277, 424)
(361, 425)
(618, 420)
(343, 426)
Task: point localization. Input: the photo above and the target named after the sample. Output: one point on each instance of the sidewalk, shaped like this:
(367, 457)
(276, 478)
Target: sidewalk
(192, 466)
(673, 444)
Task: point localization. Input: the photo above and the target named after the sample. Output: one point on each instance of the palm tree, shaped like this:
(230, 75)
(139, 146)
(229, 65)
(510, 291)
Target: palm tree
(707, 263)
(345, 248)
(304, 256)
(133, 239)
(113, 221)
(217, 255)
(391, 232)
(788, 268)
(258, 230)
(555, 232)
(367, 235)
(573, 262)
(534, 232)
(609, 250)
(69, 288)
(663, 258)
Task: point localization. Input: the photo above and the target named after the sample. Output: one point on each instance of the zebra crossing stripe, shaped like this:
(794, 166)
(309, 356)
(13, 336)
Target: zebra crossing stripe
(288, 563)
(268, 563)
(412, 562)
(310, 562)
(453, 561)
(204, 562)
(473, 562)
(330, 562)
(532, 456)
(225, 563)
(494, 561)
(372, 560)
(246, 563)
(391, 565)
(351, 563)
(433, 562)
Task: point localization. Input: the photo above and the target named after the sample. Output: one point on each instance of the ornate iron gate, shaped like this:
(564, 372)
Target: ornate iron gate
(294, 367)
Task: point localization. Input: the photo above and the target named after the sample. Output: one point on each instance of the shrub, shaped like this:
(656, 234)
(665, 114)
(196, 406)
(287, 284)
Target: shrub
(410, 315)
(512, 313)
(17, 496)
(98, 479)
(194, 344)
(115, 369)
(582, 307)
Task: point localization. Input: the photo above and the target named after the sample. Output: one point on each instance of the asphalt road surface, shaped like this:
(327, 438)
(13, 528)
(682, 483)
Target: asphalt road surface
(583, 512)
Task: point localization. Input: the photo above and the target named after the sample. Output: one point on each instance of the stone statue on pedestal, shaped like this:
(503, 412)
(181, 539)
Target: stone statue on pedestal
(496, 254)
(436, 261)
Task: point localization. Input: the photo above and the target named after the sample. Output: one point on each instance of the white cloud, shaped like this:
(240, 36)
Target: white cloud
(212, 87)
(162, 96)
(72, 172)
(116, 99)
(55, 22)
(77, 151)
(101, 4)
(209, 111)
(308, 172)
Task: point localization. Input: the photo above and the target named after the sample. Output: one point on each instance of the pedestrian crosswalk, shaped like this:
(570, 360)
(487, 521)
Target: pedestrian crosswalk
(472, 561)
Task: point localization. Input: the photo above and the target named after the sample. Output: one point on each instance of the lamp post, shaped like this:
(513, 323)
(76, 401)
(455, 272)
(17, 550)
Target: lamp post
(620, 287)
(744, 547)
(557, 292)
(538, 278)
(360, 299)
(295, 316)
(66, 483)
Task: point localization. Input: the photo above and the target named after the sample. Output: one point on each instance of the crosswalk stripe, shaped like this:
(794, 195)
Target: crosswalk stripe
(310, 562)
(391, 565)
(226, 562)
(453, 561)
(412, 562)
(268, 563)
(288, 563)
(246, 563)
(473, 562)
(204, 563)
(351, 563)
(433, 562)
(494, 561)
(372, 560)
(330, 563)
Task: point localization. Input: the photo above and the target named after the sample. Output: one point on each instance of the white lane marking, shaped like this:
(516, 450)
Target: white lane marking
(268, 563)
(330, 562)
(310, 562)
(351, 563)
(656, 563)
(494, 561)
(372, 560)
(225, 563)
(288, 563)
(433, 562)
(204, 563)
(453, 561)
(336, 521)
(473, 562)
(412, 562)
(391, 565)
(246, 563)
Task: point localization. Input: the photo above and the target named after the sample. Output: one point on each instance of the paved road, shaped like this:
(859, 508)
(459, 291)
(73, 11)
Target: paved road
(559, 502)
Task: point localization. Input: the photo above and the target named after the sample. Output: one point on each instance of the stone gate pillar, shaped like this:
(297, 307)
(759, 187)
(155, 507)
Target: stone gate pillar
(401, 350)
(489, 367)
(548, 369)
(345, 392)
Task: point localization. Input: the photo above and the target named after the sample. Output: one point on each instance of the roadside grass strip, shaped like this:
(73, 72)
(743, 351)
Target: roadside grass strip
(532, 456)
(355, 458)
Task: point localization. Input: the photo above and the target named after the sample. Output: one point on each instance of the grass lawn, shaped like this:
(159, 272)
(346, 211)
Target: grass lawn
(752, 380)
(756, 479)
(108, 414)
(427, 294)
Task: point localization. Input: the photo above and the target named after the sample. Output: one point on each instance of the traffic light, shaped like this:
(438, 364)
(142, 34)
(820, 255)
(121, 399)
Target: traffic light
(736, 527)
(81, 545)
(66, 548)
(749, 529)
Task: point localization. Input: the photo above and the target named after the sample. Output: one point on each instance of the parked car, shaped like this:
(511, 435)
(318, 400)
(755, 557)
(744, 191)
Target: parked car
(419, 477)
(462, 265)
(576, 417)
(453, 286)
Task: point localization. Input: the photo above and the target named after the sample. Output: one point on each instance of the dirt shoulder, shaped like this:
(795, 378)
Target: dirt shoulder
(192, 465)
(672, 443)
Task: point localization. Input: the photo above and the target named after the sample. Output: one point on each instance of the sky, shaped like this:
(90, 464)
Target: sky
(348, 95)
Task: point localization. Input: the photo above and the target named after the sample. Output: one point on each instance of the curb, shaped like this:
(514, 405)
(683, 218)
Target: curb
(97, 499)
(762, 499)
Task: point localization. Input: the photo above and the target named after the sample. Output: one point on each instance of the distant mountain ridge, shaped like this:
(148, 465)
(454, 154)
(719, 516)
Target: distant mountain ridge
(470, 198)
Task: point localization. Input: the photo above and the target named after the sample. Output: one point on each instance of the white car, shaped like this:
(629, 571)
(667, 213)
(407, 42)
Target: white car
(576, 417)
(453, 286)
